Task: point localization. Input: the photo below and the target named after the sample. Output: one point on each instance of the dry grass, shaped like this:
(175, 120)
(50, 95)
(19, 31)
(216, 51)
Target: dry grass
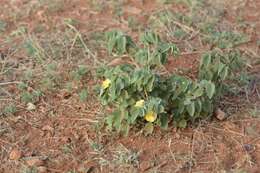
(49, 54)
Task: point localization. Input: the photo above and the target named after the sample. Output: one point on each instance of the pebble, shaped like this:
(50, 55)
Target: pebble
(15, 154)
(220, 115)
(35, 161)
(42, 169)
(30, 107)
(145, 165)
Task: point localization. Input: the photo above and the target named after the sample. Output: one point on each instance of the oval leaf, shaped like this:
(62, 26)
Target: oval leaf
(210, 89)
(182, 123)
(191, 108)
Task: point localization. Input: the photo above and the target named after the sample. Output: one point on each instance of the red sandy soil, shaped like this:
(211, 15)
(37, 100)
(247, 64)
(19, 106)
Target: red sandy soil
(60, 132)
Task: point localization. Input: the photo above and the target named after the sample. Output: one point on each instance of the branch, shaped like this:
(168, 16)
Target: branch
(9, 83)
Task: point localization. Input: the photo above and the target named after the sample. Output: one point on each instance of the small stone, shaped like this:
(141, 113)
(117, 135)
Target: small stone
(174, 129)
(249, 147)
(40, 13)
(144, 166)
(77, 136)
(177, 136)
(15, 154)
(35, 161)
(30, 107)
(42, 169)
(220, 115)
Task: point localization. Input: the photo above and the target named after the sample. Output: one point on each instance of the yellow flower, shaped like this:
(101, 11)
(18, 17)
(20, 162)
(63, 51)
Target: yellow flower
(106, 83)
(139, 104)
(150, 116)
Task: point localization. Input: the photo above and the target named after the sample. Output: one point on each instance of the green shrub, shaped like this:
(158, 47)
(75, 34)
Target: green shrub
(138, 93)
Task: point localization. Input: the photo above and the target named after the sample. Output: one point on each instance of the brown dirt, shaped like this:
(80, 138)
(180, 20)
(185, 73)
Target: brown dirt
(61, 132)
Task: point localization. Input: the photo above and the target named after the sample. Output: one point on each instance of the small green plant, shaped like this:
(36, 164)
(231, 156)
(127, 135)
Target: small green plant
(27, 96)
(51, 77)
(10, 109)
(225, 39)
(80, 72)
(218, 67)
(28, 75)
(139, 93)
(19, 31)
(83, 95)
(3, 26)
(34, 50)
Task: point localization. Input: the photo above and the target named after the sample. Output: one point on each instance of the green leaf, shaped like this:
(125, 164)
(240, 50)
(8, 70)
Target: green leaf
(150, 38)
(164, 121)
(121, 44)
(210, 89)
(224, 73)
(150, 84)
(174, 49)
(191, 108)
(205, 61)
(83, 95)
(207, 106)
(111, 45)
(148, 129)
(198, 106)
(160, 108)
(125, 128)
(119, 84)
(109, 121)
(187, 101)
(181, 107)
(117, 120)
(220, 67)
(118, 43)
(198, 92)
(133, 115)
(182, 123)
(164, 47)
